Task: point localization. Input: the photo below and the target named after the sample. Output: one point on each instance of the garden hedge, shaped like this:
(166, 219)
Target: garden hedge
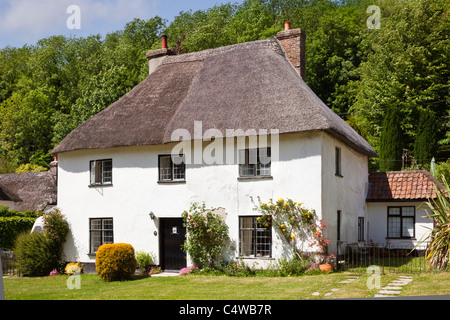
(13, 223)
(11, 227)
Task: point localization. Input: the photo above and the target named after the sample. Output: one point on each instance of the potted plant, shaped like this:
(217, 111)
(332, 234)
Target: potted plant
(326, 260)
(327, 263)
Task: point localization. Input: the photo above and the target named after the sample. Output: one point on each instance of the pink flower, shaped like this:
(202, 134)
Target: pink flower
(184, 271)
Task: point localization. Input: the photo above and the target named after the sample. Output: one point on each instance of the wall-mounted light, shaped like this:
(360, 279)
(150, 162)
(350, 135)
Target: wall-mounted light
(152, 215)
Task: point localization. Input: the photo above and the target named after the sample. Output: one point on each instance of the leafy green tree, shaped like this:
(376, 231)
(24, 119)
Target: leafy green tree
(406, 67)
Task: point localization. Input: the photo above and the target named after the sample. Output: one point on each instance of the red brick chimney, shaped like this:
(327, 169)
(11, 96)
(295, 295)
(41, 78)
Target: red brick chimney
(156, 57)
(293, 42)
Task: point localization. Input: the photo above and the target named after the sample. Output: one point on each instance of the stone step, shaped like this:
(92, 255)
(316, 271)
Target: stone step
(389, 292)
(392, 288)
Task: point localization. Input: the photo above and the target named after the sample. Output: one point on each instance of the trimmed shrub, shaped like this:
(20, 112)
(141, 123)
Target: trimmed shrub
(35, 254)
(115, 261)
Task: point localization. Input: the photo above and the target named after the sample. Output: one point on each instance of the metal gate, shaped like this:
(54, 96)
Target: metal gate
(390, 257)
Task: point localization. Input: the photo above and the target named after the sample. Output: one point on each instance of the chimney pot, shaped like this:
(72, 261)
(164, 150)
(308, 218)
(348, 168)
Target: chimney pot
(164, 42)
(287, 26)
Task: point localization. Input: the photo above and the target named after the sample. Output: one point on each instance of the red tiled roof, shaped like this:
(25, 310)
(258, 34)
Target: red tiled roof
(402, 185)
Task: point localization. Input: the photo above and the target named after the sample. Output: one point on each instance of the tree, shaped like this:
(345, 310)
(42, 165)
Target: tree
(426, 142)
(391, 144)
(406, 67)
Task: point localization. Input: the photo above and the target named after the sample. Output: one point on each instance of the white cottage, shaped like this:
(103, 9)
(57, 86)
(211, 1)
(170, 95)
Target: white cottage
(119, 183)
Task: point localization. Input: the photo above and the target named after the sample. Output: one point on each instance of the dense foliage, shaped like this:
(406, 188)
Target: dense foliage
(49, 88)
(391, 142)
(36, 254)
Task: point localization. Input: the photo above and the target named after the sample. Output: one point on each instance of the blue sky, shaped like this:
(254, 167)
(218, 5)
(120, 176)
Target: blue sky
(26, 21)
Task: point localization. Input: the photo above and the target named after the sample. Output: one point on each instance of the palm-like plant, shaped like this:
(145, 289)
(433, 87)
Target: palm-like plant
(438, 211)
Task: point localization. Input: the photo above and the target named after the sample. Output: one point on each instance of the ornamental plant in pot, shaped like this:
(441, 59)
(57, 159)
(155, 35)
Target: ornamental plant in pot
(325, 260)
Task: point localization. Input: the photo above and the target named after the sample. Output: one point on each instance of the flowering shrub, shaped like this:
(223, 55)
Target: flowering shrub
(74, 267)
(207, 235)
(322, 243)
(289, 218)
(56, 227)
(187, 270)
(154, 270)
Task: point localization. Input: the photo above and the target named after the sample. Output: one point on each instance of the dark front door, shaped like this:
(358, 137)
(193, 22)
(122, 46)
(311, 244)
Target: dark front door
(172, 236)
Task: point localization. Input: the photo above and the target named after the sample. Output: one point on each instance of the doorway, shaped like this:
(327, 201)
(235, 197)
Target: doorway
(171, 240)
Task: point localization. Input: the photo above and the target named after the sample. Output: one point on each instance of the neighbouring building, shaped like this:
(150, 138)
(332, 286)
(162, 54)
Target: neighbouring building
(396, 208)
(34, 191)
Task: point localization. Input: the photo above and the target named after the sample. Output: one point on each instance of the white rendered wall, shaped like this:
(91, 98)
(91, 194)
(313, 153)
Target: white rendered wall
(377, 223)
(135, 190)
(346, 193)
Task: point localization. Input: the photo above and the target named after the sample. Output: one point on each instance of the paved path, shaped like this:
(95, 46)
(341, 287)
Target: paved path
(348, 280)
(394, 287)
(391, 290)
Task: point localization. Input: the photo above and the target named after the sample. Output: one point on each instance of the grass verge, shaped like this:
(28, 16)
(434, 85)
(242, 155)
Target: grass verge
(199, 287)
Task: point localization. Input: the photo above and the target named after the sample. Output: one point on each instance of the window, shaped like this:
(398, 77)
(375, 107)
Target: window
(339, 225)
(101, 172)
(360, 228)
(337, 161)
(401, 221)
(254, 162)
(254, 240)
(172, 168)
(100, 232)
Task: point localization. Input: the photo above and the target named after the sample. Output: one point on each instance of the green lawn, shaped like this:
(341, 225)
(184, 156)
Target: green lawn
(199, 287)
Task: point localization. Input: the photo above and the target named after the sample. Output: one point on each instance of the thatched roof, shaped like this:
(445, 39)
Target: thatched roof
(245, 86)
(29, 190)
